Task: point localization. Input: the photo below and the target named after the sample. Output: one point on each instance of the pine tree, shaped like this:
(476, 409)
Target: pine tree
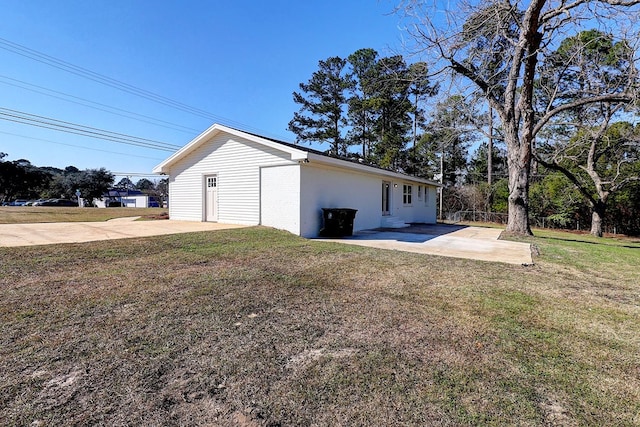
(323, 100)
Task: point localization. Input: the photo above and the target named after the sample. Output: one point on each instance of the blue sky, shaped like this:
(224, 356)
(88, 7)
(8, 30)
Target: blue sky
(237, 60)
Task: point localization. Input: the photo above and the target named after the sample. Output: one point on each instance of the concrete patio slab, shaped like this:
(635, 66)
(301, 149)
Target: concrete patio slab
(452, 241)
(12, 235)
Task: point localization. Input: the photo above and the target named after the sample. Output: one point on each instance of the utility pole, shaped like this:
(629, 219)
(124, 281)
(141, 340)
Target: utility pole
(490, 161)
(441, 178)
(490, 151)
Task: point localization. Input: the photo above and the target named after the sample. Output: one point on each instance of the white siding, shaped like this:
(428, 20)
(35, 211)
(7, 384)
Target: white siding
(280, 197)
(237, 163)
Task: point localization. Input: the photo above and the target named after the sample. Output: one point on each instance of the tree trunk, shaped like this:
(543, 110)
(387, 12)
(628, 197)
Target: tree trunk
(519, 161)
(519, 143)
(597, 213)
(518, 222)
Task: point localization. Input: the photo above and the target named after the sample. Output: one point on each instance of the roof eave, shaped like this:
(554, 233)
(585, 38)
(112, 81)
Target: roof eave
(368, 169)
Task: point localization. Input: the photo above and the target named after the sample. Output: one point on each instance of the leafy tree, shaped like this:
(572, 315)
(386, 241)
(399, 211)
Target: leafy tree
(391, 109)
(424, 159)
(554, 198)
(145, 185)
(19, 178)
(478, 166)
(500, 193)
(375, 103)
(360, 104)
(126, 183)
(322, 101)
(9, 179)
(622, 214)
(420, 89)
(70, 170)
(92, 183)
(591, 62)
(159, 191)
(598, 162)
(497, 46)
(451, 127)
(162, 190)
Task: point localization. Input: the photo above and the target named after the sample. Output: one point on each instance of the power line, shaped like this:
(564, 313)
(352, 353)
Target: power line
(136, 174)
(96, 105)
(79, 146)
(97, 77)
(60, 64)
(87, 131)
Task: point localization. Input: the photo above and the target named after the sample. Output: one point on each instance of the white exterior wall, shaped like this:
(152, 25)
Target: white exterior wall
(432, 203)
(237, 163)
(280, 197)
(135, 201)
(328, 187)
(336, 188)
(421, 210)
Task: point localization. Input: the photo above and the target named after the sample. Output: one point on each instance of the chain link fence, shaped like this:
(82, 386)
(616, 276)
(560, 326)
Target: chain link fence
(476, 216)
(538, 222)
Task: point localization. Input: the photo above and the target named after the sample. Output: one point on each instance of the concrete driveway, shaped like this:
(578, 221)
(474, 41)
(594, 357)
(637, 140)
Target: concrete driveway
(434, 239)
(446, 240)
(12, 235)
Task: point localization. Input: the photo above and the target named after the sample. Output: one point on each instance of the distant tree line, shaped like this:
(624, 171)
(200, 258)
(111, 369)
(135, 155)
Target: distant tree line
(19, 179)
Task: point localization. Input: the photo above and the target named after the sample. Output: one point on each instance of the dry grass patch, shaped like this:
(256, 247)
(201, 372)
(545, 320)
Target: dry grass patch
(258, 327)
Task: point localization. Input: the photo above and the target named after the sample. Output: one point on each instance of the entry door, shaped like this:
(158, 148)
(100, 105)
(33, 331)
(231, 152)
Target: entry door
(211, 198)
(386, 193)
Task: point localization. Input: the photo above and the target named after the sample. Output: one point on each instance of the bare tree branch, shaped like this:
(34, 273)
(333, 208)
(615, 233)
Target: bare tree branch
(611, 98)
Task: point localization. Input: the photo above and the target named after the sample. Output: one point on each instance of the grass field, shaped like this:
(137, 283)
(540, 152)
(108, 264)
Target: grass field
(32, 214)
(256, 327)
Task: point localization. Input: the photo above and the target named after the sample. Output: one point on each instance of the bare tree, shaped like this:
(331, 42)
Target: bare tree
(591, 145)
(497, 46)
(599, 160)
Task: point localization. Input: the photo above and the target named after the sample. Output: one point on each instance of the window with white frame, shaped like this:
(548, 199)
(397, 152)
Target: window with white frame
(212, 181)
(419, 192)
(406, 194)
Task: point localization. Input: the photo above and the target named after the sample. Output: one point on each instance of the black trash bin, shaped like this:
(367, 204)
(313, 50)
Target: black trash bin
(338, 222)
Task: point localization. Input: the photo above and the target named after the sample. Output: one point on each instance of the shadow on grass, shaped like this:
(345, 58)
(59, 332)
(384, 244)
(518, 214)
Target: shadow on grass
(590, 242)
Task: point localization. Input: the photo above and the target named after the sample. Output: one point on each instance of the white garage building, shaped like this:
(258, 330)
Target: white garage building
(230, 176)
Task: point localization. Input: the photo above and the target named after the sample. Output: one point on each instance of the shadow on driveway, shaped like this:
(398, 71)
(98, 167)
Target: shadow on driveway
(445, 240)
(416, 233)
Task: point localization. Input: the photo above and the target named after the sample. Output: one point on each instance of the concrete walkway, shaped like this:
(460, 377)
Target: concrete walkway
(12, 235)
(446, 240)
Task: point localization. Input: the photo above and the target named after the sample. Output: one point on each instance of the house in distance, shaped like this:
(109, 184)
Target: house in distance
(231, 176)
(127, 198)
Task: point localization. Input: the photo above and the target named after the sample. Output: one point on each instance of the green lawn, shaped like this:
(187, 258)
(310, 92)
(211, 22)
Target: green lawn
(32, 214)
(258, 327)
